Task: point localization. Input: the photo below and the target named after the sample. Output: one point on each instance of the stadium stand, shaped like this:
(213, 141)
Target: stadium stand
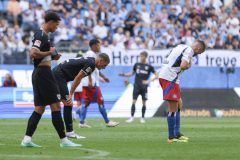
(136, 24)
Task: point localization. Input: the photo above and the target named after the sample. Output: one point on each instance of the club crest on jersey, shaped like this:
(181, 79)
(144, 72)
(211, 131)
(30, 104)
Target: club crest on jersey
(66, 96)
(37, 43)
(146, 67)
(174, 96)
(89, 70)
(58, 96)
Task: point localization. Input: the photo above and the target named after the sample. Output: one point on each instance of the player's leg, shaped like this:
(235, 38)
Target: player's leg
(178, 134)
(67, 109)
(59, 126)
(83, 116)
(171, 119)
(87, 94)
(142, 120)
(99, 98)
(171, 93)
(78, 97)
(32, 126)
(144, 99)
(133, 108)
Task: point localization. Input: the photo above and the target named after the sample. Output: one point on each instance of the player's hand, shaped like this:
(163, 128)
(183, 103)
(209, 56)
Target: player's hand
(121, 74)
(52, 50)
(145, 81)
(106, 79)
(57, 57)
(69, 100)
(101, 80)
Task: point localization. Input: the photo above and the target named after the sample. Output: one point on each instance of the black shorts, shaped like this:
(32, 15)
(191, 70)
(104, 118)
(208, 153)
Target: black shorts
(45, 89)
(140, 90)
(61, 82)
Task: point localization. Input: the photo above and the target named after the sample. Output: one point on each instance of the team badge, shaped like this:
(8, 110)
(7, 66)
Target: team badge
(174, 96)
(37, 43)
(66, 96)
(58, 96)
(146, 67)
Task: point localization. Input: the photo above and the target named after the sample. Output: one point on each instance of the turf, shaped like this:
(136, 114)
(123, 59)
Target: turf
(210, 139)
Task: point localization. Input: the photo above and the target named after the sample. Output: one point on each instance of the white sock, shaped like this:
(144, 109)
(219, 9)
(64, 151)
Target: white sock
(27, 139)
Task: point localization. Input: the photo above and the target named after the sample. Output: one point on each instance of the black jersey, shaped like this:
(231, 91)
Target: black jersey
(143, 72)
(40, 41)
(72, 67)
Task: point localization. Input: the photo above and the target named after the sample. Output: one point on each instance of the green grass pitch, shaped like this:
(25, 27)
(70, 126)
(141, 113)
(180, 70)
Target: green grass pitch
(210, 139)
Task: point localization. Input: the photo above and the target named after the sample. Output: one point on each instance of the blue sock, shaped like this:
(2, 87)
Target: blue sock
(78, 111)
(83, 114)
(177, 126)
(103, 112)
(171, 119)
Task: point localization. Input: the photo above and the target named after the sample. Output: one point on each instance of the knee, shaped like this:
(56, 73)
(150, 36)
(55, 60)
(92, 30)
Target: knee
(39, 110)
(55, 107)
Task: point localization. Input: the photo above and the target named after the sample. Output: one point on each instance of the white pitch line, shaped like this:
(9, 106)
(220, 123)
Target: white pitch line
(96, 154)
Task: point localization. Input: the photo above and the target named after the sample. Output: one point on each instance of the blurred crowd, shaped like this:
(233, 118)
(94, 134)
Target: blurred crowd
(128, 24)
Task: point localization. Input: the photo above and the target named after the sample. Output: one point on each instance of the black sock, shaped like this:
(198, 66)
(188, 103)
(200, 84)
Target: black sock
(32, 123)
(143, 111)
(133, 110)
(67, 113)
(58, 123)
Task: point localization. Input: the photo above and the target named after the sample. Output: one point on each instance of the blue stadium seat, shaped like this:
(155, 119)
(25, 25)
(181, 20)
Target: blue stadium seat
(139, 7)
(129, 6)
(158, 7)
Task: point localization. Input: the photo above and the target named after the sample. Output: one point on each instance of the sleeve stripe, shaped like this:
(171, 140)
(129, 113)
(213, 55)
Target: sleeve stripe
(85, 72)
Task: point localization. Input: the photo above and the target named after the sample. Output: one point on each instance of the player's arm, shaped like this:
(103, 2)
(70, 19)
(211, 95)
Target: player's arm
(185, 65)
(36, 53)
(155, 77)
(129, 74)
(186, 60)
(38, 42)
(76, 82)
(90, 84)
(104, 77)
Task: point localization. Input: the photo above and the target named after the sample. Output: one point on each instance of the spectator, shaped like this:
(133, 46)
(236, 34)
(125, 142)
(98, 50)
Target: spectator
(9, 81)
(131, 22)
(233, 25)
(100, 31)
(14, 11)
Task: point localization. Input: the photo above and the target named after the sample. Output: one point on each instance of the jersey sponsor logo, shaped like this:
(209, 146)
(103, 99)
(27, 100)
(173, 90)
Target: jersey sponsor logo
(89, 70)
(37, 43)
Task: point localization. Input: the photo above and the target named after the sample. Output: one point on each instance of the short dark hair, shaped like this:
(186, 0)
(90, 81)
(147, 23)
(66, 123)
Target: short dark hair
(144, 53)
(93, 42)
(202, 43)
(104, 56)
(51, 16)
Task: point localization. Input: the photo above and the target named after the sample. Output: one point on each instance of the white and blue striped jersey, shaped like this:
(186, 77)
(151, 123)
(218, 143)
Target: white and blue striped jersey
(171, 64)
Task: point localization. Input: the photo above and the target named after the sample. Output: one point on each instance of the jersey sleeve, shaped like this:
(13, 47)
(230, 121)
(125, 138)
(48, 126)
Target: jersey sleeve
(88, 68)
(187, 55)
(38, 40)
